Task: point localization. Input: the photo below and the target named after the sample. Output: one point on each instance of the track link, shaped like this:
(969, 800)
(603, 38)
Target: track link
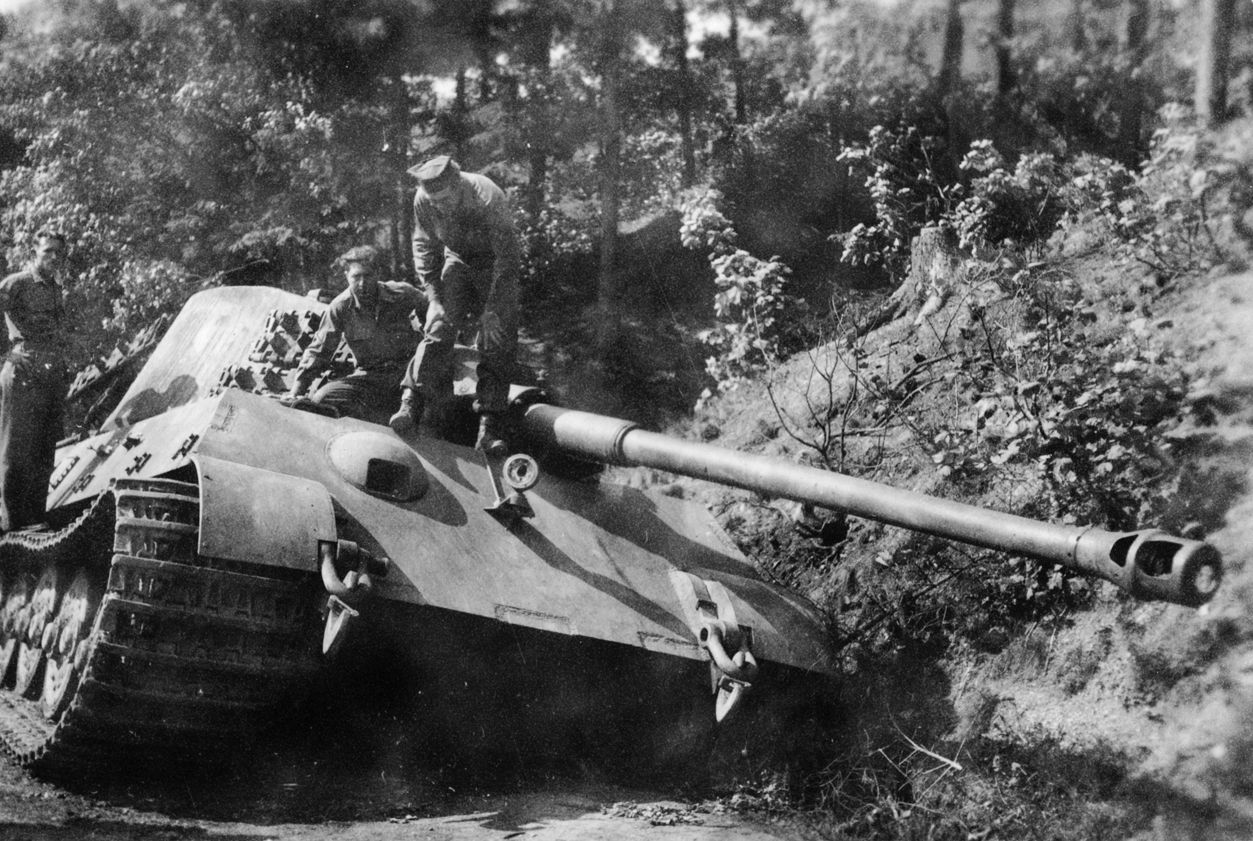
(185, 661)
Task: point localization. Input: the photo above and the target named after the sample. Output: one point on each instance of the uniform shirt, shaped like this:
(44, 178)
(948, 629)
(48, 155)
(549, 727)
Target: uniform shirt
(380, 335)
(32, 307)
(481, 227)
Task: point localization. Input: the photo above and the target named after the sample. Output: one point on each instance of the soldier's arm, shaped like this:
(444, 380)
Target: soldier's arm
(8, 300)
(8, 292)
(417, 300)
(428, 252)
(506, 244)
(318, 353)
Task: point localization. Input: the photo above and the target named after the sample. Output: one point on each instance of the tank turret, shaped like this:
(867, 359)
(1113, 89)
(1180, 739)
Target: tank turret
(211, 550)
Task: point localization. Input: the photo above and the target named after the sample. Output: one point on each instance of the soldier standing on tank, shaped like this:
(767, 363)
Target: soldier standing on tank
(376, 318)
(32, 383)
(467, 254)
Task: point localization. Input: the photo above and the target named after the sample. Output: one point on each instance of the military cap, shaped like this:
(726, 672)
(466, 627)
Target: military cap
(365, 254)
(50, 234)
(437, 174)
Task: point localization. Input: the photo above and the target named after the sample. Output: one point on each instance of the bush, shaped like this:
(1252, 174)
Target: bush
(557, 261)
(782, 187)
(1018, 206)
(201, 160)
(909, 190)
(1090, 416)
(757, 317)
(985, 203)
(1185, 211)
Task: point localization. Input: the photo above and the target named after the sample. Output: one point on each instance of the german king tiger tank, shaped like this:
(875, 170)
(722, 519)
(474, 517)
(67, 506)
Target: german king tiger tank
(212, 550)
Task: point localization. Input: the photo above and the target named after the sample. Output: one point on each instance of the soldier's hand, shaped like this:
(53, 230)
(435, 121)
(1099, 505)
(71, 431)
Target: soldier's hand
(434, 312)
(493, 332)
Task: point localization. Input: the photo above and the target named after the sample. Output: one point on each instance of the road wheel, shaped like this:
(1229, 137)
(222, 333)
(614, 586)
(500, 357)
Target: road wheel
(67, 653)
(30, 650)
(14, 597)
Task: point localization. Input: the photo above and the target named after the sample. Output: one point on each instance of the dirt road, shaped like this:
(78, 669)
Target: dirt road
(291, 805)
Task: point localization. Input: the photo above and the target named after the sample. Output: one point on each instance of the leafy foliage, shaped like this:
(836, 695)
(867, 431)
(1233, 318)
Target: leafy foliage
(1184, 210)
(1089, 415)
(780, 180)
(756, 314)
(902, 176)
(1004, 206)
(201, 161)
(987, 203)
(556, 263)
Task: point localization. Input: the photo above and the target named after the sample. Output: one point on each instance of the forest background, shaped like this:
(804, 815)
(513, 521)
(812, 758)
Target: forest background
(803, 144)
(719, 202)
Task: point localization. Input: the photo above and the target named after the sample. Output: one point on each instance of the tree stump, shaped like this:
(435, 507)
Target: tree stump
(934, 266)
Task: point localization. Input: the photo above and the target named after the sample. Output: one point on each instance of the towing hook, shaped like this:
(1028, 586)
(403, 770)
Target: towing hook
(347, 593)
(738, 670)
(730, 695)
(355, 583)
(741, 666)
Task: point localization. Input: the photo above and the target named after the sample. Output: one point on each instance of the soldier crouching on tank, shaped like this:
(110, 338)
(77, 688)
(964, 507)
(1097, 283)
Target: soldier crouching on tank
(376, 318)
(32, 383)
(467, 255)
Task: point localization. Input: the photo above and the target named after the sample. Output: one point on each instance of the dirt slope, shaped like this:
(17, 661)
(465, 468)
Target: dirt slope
(1130, 719)
(1163, 694)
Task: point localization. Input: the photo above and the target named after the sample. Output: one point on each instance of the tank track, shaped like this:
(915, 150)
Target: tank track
(157, 656)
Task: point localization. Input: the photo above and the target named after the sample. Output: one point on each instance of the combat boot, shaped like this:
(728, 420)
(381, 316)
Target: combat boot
(409, 415)
(490, 440)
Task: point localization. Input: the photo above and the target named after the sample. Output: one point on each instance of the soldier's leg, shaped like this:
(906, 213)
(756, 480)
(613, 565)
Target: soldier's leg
(23, 478)
(51, 429)
(366, 395)
(381, 392)
(346, 396)
(429, 377)
(11, 467)
(498, 347)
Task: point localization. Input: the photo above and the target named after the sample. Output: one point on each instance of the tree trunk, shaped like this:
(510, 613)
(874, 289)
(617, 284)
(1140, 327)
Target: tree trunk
(1077, 23)
(1005, 77)
(537, 154)
(537, 176)
(1138, 20)
(948, 81)
(737, 64)
(398, 154)
(487, 69)
(461, 115)
(954, 41)
(678, 34)
(1131, 104)
(1213, 60)
(608, 293)
(535, 51)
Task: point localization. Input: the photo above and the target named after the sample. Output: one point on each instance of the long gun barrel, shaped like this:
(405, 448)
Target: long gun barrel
(1149, 564)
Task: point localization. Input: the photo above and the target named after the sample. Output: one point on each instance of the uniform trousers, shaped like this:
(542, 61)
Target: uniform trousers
(32, 410)
(467, 286)
(367, 395)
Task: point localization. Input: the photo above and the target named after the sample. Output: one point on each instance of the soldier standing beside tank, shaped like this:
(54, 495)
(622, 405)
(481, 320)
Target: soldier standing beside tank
(32, 383)
(376, 319)
(467, 255)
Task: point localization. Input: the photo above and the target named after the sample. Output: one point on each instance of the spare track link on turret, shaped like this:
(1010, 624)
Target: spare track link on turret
(184, 660)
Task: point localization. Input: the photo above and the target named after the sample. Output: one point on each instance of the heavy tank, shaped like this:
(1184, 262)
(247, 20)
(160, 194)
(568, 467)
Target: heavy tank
(212, 551)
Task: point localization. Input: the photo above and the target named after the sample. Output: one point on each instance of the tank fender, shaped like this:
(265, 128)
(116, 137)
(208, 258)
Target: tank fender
(258, 516)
